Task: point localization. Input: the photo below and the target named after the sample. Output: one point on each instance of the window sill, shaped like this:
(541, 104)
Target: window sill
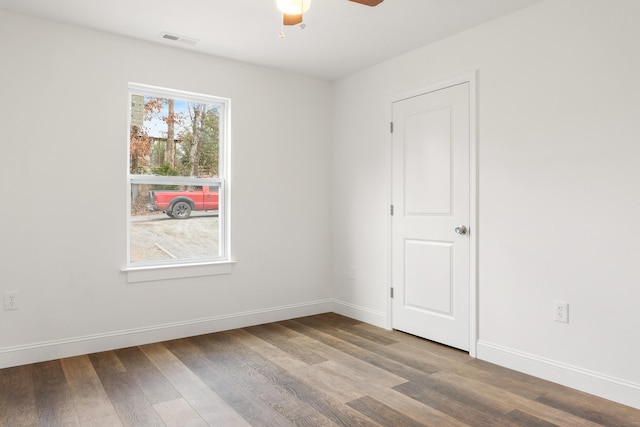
(166, 272)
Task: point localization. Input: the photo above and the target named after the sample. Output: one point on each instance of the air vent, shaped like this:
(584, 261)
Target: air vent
(179, 39)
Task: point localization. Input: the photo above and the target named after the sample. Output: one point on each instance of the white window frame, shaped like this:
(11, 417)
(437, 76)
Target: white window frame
(172, 269)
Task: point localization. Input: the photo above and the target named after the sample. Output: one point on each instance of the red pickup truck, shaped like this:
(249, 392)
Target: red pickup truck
(179, 204)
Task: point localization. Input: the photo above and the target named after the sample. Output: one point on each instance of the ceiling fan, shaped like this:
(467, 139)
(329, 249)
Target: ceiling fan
(292, 10)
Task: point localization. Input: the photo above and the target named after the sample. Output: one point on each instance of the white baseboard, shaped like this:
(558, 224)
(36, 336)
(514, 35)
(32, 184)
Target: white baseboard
(610, 388)
(50, 350)
(376, 318)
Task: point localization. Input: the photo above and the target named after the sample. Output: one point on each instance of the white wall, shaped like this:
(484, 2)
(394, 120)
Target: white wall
(63, 111)
(559, 187)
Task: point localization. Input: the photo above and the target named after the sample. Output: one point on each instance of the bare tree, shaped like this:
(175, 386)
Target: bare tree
(170, 150)
(197, 113)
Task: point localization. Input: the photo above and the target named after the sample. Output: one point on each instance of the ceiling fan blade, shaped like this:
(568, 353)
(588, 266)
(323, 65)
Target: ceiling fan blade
(368, 2)
(291, 19)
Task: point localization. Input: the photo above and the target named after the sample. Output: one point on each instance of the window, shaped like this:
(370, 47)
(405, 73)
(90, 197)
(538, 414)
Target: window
(177, 182)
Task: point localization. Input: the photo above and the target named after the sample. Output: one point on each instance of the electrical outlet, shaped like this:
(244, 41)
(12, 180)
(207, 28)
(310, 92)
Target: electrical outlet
(352, 272)
(561, 311)
(11, 301)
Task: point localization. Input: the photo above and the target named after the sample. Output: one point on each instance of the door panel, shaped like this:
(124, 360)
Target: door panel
(427, 158)
(428, 285)
(430, 192)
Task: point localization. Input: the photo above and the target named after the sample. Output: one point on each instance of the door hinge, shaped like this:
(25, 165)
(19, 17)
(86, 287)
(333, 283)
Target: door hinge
(391, 292)
(391, 127)
(391, 209)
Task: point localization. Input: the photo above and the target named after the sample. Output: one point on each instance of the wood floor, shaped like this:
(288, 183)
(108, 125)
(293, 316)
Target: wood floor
(324, 370)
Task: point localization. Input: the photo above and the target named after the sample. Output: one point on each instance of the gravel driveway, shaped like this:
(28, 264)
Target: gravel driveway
(158, 237)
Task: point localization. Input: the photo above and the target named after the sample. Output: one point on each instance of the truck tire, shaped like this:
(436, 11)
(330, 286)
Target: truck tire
(181, 210)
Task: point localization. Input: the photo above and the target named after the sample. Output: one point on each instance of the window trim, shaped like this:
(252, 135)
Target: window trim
(177, 271)
(160, 270)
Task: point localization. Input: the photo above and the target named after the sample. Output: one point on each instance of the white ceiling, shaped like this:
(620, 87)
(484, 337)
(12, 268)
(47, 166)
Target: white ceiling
(340, 37)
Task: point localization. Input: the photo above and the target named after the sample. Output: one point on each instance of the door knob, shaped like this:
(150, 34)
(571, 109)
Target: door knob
(462, 230)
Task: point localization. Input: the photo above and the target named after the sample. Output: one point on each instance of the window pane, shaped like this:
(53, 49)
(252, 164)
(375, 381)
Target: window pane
(174, 222)
(174, 137)
(177, 177)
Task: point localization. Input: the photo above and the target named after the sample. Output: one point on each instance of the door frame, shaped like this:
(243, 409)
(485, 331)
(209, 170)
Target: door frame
(470, 78)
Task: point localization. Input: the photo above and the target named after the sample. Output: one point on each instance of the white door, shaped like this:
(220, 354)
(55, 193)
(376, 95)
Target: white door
(430, 222)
